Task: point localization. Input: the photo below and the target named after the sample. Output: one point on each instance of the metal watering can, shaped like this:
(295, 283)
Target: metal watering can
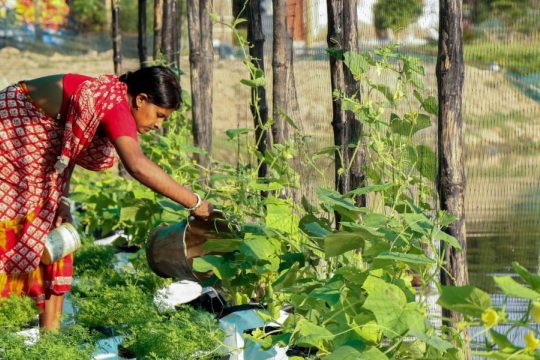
(170, 250)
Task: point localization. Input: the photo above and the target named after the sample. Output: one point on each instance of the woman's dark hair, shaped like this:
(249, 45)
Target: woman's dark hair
(158, 82)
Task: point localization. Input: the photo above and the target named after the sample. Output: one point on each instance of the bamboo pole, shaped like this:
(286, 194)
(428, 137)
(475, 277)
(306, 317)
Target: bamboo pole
(280, 69)
(201, 71)
(141, 39)
(343, 35)
(116, 37)
(451, 173)
(177, 33)
(259, 105)
(158, 23)
(167, 34)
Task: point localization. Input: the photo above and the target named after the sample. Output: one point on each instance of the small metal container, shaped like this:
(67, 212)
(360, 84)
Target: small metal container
(170, 250)
(60, 242)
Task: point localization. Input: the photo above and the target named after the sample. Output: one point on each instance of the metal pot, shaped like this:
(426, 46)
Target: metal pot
(170, 250)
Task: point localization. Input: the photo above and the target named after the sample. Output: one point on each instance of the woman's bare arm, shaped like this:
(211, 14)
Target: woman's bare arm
(151, 175)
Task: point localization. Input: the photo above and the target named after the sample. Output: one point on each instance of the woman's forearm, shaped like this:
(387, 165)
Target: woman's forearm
(152, 176)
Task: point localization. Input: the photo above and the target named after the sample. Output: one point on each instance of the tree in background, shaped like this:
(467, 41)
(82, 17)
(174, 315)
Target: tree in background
(395, 15)
(89, 15)
(519, 15)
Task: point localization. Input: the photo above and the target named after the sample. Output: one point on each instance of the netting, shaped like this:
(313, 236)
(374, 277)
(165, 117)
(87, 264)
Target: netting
(501, 107)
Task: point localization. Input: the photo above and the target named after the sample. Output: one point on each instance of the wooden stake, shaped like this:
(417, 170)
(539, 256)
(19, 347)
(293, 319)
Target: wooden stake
(258, 94)
(141, 40)
(451, 173)
(116, 37)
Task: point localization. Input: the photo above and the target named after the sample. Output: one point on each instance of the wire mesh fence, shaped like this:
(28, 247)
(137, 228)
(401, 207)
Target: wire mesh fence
(501, 105)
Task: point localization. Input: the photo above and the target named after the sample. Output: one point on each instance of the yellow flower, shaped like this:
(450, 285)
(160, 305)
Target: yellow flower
(490, 318)
(535, 312)
(531, 343)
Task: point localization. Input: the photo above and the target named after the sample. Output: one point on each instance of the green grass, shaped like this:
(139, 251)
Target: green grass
(517, 56)
(522, 57)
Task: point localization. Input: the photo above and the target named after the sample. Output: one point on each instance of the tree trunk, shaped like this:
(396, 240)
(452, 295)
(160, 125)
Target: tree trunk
(201, 66)
(141, 40)
(279, 67)
(167, 33)
(259, 105)
(158, 24)
(451, 174)
(343, 35)
(116, 37)
(177, 32)
(356, 158)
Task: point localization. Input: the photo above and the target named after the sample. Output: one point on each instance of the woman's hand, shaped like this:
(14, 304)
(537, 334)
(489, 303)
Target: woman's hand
(204, 211)
(63, 214)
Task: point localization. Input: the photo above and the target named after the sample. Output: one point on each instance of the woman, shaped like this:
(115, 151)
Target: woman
(47, 126)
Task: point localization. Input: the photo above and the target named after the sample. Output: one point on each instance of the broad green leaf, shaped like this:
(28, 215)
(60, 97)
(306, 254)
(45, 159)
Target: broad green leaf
(385, 90)
(279, 215)
(412, 64)
(444, 218)
(128, 213)
(375, 220)
(257, 82)
(438, 234)
(348, 104)
(222, 245)
(373, 353)
(418, 223)
(214, 263)
(331, 292)
(340, 242)
(406, 258)
(430, 104)
(344, 353)
(388, 304)
(356, 63)
(334, 200)
(287, 278)
(369, 331)
(531, 279)
(238, 21)
(467, 300)
(502, 342)
(235, 133)
(312, 226)
(427, 162)
(309, 334)
(433, 341)
(260, 248)
(512, 288)
(369, 189)
(329, 150)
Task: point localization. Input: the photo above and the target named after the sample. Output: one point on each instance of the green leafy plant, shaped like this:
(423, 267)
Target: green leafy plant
(16, 312)
(116, 306)
(339, 282)
(183, 334)
(478, 310)
(71, 343)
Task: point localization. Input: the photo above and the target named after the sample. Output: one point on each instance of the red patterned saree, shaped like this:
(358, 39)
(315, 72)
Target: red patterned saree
(35, 149)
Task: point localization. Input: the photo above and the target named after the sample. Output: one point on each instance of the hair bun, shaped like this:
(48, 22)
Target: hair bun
(125, 77)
